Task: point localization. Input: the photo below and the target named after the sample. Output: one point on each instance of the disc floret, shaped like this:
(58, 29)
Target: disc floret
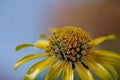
(70, 44)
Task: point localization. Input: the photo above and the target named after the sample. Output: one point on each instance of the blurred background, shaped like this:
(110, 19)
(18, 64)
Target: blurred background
(23, 20)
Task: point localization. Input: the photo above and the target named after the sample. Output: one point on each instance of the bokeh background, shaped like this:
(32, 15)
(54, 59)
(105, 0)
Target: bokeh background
(23, 20)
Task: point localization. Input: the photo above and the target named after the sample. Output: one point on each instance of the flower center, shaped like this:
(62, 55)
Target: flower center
(70, 44)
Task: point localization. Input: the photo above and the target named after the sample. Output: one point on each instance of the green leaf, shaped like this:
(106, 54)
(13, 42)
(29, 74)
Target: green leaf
(22, 46)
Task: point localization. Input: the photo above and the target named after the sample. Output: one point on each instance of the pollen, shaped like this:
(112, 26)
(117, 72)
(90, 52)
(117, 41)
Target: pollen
(70, 43)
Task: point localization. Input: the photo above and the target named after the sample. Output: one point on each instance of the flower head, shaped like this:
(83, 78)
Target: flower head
(70, 44)
(71, 49)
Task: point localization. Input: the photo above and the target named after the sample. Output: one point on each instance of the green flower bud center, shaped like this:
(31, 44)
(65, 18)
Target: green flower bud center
(70, 44)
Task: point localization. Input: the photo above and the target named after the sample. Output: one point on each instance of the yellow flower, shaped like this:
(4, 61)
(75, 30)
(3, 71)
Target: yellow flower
(71, 49)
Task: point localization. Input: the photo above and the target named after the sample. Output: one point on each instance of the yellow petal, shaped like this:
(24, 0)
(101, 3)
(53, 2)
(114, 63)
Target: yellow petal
(38, 68)
(55, 71)
(99, 40)
(109, 56)
(107, 53)
(113, 60)
(28, 58)
(68, 72)
(22, 46)
(83, 72)
(98, 69)
(110, 68)
(42, 44)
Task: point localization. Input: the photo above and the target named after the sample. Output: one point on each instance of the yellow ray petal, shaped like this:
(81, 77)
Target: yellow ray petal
(38, 68)
(83, 72)
(22, 46)
(99, 40)
(112, 62)
(110, 68)
(68, 72)
(108, 59)
(98, 69)
(107, 53)
(28, 58)
(55, 71)
(41, 44)
(109, 56)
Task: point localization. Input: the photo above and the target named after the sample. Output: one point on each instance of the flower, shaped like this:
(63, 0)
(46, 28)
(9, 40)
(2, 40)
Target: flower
(71, 49)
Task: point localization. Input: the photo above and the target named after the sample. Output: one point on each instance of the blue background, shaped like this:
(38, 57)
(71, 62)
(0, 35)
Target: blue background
(23, 20)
